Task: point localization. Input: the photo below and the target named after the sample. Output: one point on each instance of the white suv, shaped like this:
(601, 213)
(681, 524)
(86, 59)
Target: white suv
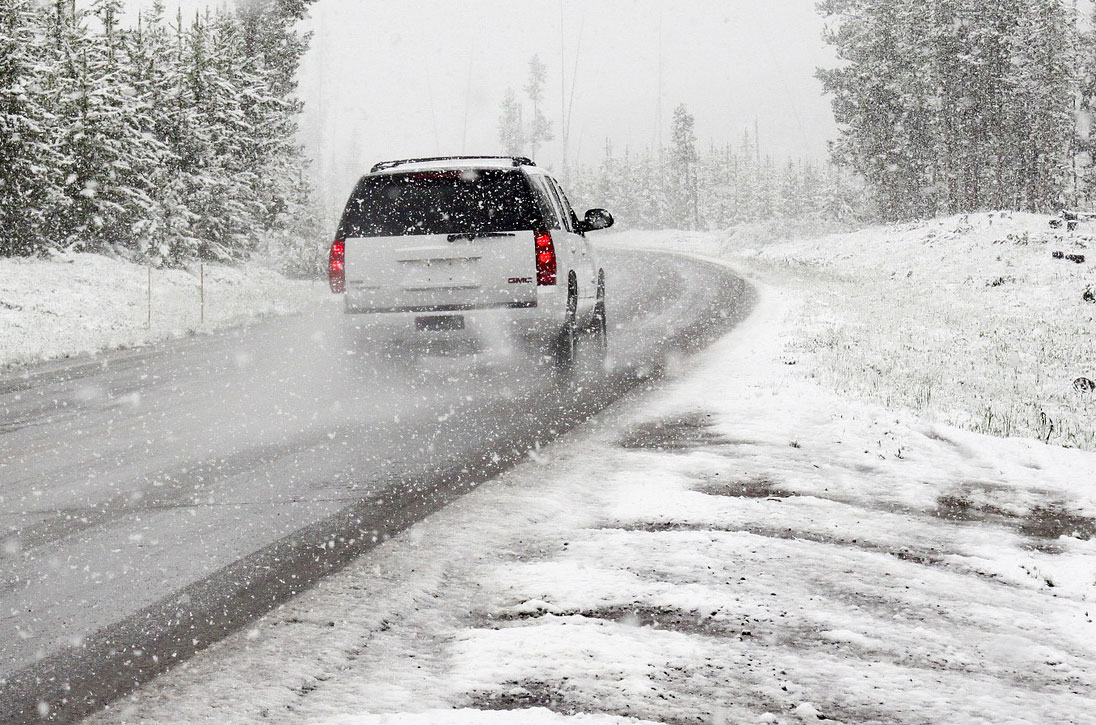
(459, 248)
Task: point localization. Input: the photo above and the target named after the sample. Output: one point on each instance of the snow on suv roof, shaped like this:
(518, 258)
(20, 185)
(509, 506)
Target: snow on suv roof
(452, 162)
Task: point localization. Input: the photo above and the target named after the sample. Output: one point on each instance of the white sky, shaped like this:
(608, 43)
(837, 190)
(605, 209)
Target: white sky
(422, 77)
(382, 76)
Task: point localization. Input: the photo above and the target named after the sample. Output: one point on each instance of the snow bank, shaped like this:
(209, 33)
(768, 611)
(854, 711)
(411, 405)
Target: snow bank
(83, 303)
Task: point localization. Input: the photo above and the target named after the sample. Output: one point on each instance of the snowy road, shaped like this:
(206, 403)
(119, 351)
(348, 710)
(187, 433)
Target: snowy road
(741, 545)
(153, 500)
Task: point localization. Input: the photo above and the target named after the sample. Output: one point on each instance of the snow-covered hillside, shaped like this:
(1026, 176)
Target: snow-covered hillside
(968, 320)
(751, 543)
(83, 303)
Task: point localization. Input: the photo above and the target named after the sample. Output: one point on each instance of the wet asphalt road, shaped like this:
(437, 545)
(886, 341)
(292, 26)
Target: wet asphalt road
(154, 500)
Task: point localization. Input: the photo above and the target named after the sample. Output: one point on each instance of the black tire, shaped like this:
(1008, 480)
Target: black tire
(566, 352)
(601, 324)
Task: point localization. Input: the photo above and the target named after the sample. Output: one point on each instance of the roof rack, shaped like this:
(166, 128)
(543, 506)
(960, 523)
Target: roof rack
(516, 160)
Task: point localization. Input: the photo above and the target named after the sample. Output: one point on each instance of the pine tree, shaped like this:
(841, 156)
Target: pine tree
(103, 198)
(1046, 44)
(1086, 132)
(790, 200)
(272, 50)
(155, 74)
(138, 155)
(268, 30)
(870, 101)
(511, 134)
(684, 166)
(26, 156)
(540, 129)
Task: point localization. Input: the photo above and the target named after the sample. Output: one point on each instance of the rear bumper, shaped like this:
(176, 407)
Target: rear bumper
(539, 320)
(446, 309)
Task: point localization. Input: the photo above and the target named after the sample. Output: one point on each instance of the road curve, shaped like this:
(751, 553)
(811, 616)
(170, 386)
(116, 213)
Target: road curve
(153, 501)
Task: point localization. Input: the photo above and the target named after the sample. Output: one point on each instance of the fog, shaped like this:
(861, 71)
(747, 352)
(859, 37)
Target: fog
(388, 80)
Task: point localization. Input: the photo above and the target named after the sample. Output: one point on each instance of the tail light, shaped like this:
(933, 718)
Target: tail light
(546, 259)
(336, 266)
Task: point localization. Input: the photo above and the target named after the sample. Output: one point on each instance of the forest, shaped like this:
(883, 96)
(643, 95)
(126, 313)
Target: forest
(164, 141)
(684, 187)
(171, 139)
(944, 107)
(952, 106)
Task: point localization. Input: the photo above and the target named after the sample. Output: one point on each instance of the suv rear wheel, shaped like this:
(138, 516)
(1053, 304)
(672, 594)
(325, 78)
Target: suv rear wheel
(567, 339)
(601, 325)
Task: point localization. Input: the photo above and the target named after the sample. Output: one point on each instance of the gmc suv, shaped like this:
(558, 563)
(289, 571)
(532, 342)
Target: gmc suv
(458, 248)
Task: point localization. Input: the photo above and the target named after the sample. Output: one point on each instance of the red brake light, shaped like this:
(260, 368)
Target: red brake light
(546, 259)
(336, 266)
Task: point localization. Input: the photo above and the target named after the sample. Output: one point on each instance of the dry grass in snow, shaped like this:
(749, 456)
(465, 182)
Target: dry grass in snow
(967, 319)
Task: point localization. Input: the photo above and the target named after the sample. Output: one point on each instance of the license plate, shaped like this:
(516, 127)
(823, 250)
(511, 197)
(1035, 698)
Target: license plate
(440, 323)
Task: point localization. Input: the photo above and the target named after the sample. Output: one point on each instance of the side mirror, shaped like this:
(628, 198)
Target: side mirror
(597, 219)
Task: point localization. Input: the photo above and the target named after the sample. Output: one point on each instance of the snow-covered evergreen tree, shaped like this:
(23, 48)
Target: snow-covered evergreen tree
(540, 128)
(168, 143)
(511, 133)
(272, 50)
(105, 159)
(156, 74)
(684, 169)
(28, 162)
(269, 34)
(954, 105)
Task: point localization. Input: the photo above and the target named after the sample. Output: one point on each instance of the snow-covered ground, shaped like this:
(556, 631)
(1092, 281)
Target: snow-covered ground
(83, 303)
(780, 533)
(969, 320)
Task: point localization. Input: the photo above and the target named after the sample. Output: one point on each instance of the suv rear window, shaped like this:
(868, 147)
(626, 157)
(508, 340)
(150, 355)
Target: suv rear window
(440, 202)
